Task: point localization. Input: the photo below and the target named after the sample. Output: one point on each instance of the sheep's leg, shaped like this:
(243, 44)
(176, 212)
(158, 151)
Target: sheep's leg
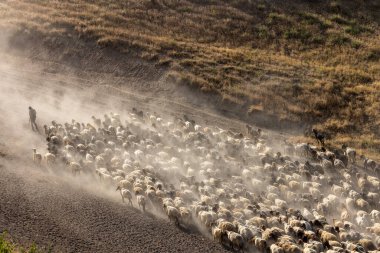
(143, 208)
(122, 198)
(130, 202)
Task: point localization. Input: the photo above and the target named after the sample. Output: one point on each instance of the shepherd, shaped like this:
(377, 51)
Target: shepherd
(32, 119)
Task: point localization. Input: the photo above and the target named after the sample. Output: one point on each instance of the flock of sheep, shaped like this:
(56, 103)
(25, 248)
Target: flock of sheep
(233, 185)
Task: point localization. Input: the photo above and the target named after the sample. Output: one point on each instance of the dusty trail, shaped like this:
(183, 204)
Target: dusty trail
(42, 208)
(70, 215)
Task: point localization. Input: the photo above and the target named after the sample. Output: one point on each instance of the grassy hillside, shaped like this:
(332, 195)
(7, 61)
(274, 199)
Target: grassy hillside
(315, 62)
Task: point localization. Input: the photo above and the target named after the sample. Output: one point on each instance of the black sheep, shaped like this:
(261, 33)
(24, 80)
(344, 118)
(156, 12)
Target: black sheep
(319, 136)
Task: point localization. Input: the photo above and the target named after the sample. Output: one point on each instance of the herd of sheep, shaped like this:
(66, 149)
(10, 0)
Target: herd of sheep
(246, 195)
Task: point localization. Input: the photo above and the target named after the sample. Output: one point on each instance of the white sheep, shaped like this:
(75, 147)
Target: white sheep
(37, 158)
(75, 168)
(125, 194)
(173, 214)
(141, 202)
(50, 159)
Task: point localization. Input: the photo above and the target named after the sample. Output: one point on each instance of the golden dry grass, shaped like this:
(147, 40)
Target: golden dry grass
(317, 63)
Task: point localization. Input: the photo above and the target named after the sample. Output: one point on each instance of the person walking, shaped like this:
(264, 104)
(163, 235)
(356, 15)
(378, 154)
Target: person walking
(32, 119)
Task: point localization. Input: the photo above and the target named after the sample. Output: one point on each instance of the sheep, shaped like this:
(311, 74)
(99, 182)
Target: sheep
(185, 215)
(276, 249)
(339, 164)
(375, 214)
(245, 232)
(326, 237)
(319, 136)
(75, 168)
(37, 158)
(290, 248)
(104, 175)
(125, 194)
(362, 204)
(327, 165)
(337, 190)
(271, 235)
(234, 185)
(236, 240)
(227, 226)
(125, 184)
(367, 244)
(173, 214)
(369, 163)
(350, 153)
(294, 185)
(50, 159)
(260, 244)
(141, 202)
(363, 220)
(216, 234)
(256, 221)
(374, 182)
(375, 229)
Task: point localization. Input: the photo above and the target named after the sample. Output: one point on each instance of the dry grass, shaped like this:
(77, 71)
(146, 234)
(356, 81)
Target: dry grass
(312, 62)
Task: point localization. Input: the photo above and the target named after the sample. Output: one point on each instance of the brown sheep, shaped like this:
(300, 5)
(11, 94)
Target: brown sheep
(367, 244)
(295, 223)
(335, 244)
(272, 234)
(216, 234)
(362, 204)
(290, 248)
(327, 237)
(288, 245)
(227, 226)
(260, 244)
(294, 185)
(375, 229)
(344, 236)
(257, 221)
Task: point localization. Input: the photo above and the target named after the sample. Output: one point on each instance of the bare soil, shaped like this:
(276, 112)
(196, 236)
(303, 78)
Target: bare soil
(40, 207)
(68, 214)
(57, 211)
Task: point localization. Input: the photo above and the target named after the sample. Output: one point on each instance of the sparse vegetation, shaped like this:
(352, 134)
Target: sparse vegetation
(242, 51)
(7, 246)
